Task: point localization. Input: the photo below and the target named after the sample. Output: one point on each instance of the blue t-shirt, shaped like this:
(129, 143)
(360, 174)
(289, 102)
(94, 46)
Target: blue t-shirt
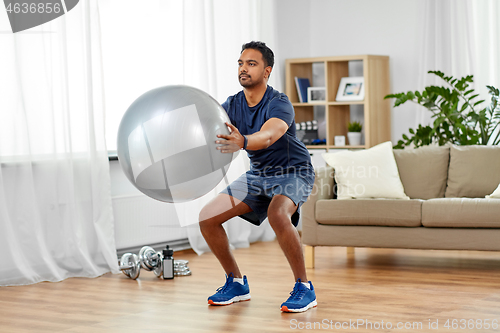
(287, 152)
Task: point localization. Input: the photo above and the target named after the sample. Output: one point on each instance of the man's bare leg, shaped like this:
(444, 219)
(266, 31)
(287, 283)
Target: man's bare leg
(303, 296)
(212, 216)
(279, 214)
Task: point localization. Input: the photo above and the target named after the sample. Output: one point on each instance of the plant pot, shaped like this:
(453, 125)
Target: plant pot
(354, 138)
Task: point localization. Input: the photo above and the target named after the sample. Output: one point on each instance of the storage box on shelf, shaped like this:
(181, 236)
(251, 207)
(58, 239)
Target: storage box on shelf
(376, 110)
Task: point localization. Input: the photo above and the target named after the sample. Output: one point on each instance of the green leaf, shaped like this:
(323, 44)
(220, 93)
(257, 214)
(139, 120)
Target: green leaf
(400, 145)
(438, 73)
(454, 118)
(474, 96)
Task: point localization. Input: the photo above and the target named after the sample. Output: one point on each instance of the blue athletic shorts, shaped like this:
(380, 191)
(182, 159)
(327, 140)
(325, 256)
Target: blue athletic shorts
(257, 189)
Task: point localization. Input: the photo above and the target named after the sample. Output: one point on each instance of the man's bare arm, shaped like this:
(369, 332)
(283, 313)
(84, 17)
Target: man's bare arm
(269, 133)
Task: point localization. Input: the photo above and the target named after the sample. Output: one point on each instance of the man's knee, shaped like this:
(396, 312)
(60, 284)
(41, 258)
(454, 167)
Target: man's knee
(207, 224)
(278, 218)
(213, 213)
(223, 208)
(280, 212)
(208, 216)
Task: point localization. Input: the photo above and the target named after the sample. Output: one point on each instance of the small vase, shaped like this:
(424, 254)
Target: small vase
(354, 138)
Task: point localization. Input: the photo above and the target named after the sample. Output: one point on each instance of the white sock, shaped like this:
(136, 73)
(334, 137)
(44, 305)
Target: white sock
(307, 285)
(239, 280)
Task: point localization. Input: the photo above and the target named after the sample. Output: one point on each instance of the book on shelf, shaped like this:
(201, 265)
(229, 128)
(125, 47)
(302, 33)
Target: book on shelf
(302, 83)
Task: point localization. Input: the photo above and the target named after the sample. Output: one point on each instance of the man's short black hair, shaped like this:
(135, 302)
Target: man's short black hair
(267, 53)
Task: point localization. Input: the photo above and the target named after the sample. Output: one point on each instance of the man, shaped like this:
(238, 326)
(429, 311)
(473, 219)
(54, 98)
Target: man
(278, 183)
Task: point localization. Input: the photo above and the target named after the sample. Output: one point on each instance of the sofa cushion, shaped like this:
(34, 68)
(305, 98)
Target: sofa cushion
(375, 212)
(474, 171)
(495, 194)
(369, 173)
(461, 213)
(423, 171)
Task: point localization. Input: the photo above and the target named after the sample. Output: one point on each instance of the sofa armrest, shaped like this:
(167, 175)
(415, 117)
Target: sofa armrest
(322, 189)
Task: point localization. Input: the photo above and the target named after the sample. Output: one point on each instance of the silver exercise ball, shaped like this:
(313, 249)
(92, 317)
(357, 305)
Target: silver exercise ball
(166, 143)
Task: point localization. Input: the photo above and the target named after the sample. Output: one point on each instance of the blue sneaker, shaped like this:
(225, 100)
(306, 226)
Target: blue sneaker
(300, 298)
(231, 292)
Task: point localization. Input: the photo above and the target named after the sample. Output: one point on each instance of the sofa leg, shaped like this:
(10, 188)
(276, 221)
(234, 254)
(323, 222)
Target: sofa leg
(350, 250)
(309, 256)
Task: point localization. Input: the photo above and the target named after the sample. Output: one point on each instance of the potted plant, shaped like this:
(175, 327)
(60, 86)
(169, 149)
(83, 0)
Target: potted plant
(354, 133)
(458, 114)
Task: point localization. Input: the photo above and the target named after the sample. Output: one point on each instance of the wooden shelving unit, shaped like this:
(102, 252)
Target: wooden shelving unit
(376, 110)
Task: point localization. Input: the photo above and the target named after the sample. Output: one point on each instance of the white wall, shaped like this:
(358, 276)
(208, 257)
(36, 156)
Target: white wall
(350, 27)
(293, 30)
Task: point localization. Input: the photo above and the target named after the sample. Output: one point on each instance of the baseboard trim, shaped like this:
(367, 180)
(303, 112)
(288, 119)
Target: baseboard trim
(176, 245)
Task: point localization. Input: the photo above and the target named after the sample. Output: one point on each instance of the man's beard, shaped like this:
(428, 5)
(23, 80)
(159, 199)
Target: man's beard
(248, 83)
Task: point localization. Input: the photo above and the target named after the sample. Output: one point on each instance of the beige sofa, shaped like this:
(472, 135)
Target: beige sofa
(447, 208)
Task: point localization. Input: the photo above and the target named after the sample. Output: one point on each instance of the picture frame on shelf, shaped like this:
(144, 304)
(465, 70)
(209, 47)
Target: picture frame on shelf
(351, 89)
(316, 95)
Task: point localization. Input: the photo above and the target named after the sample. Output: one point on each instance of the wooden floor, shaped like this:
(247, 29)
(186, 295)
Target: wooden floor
(380, 286)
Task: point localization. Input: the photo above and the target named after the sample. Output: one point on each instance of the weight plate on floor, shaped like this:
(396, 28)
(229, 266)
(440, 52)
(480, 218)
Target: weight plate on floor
(188, 272)
(124, 267)
(180, 262)
(158, 270)
(147, 258)
(183, 268)
(129, 265)
(136, 266)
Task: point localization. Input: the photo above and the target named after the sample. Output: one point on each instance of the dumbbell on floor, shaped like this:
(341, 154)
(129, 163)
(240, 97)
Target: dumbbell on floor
(151, 260)
(148, 259)
(130, 265)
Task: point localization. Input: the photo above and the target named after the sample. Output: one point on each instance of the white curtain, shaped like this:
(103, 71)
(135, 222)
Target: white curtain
(147, 44)
(56, 218)
(459, 38)
(486, 28)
